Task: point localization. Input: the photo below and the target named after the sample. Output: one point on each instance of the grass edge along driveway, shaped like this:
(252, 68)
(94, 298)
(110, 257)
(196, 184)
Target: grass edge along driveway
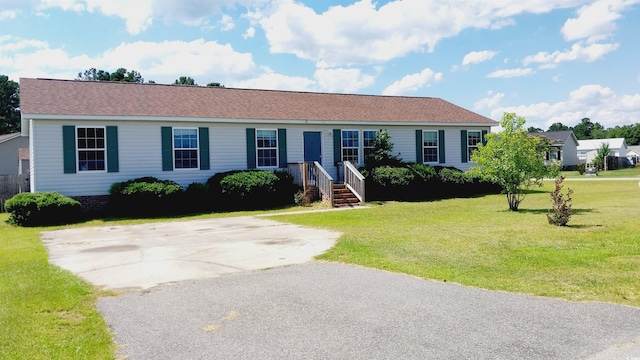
(46, 312)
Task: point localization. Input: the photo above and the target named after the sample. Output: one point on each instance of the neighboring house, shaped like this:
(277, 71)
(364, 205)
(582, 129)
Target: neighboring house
(10, 145)
(633, 154)
(85, 136)
(587, 149)
(563, 149)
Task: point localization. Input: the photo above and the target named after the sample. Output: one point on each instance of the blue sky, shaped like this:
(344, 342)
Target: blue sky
(547, 60)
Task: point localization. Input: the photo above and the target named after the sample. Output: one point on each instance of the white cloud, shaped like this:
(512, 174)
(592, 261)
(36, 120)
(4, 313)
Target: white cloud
(227, 23)
(365, 32)
(163, 62)
(490, 102)
(476, 57)
(250, 33)
(578, 52)
(273, 81)
(600, 104)
(343, 80)
(510, 73)
(595, 21)
(413, 82)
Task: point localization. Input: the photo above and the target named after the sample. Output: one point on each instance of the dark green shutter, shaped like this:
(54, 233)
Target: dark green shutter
(441, 158)
(484, 137)
(69, 148)
(463, 145)
(282, 148)
(203, 143)
(419, 145)
(167, 148)
(251, 148)
(337, 146)
(112, 149)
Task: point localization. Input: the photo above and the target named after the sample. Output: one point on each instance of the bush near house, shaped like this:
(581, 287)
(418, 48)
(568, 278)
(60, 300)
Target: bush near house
(146, 196)
(251, 189)
(43, 208)
(423, 182)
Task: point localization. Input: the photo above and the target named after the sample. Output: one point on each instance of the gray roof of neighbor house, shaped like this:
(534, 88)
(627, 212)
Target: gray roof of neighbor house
(42, 97)
(7, 137)
(560, 137)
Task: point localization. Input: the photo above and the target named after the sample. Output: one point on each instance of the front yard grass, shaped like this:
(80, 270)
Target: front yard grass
(479, 242)
(48, 313)
(631, 172)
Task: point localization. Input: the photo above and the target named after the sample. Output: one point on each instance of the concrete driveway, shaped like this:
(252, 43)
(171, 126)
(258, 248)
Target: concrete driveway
(147, 255)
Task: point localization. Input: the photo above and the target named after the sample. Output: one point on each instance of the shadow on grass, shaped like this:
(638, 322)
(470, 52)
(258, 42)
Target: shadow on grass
(546, 211)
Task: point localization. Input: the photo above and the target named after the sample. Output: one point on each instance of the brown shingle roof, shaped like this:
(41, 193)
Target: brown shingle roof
(86, 98)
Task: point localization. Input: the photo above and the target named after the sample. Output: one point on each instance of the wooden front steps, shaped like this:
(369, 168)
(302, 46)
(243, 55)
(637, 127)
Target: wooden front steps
(343, 197)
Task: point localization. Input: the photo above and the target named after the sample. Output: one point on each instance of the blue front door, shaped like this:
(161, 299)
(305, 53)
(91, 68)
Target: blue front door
(312, 146)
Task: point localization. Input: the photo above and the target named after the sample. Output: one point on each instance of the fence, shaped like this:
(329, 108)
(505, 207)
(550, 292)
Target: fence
(11, 185)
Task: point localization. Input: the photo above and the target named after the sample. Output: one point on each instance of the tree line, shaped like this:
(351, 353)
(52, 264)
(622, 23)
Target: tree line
(587, 129)
(10, 92)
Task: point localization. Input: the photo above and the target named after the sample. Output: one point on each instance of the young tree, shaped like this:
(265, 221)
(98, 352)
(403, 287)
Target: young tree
(9, 105)
(601, 156)
(513, 160)
(381, 153)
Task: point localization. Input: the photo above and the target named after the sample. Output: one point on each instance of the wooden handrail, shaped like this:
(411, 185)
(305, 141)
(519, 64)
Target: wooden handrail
(324, 181)
(354, 180)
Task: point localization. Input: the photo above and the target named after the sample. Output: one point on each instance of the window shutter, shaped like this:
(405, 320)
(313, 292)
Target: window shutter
(559, 154)
(167, 149)
(282, 148)
(463, 145)
(69, 148)
(546, 155)
(441, 156)
(203, 143)
(112, 149)
(337, 146)
(251, 148)
(419, 145)
(484, 137)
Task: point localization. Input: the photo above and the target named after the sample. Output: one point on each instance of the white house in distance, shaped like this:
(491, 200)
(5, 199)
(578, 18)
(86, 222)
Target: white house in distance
(85, 136)
(587, 149)
(633, 154)
(11, 162)
(563, 149)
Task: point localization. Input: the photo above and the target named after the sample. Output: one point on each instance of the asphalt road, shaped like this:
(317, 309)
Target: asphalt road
(333, 311)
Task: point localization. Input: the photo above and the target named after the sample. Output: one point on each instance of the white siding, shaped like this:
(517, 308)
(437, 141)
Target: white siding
(140, 152)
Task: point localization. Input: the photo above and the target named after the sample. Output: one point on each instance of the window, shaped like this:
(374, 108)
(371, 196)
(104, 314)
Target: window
(350, 145)
(267, 148)
(473, 138)
(368, 142)
(554, 154)
(185, 148)
(430, 146)
(91, 148)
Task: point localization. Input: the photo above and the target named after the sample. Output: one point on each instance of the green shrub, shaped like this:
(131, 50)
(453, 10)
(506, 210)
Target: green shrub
(454, 176)
(251, 189)
(146, 196)
(582, 168)
(424, 172)
(197, 198)
(388, 176)
(44, 208)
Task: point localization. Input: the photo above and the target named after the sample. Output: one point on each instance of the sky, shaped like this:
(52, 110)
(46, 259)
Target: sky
(547, 60)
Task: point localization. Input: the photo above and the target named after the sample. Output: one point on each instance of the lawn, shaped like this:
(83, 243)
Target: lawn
(478, 242)
(47, 313)
(632, 172)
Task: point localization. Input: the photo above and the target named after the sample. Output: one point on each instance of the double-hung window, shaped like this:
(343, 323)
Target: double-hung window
(91, 147)
(350, 145)
(474, 137)
(185, 148)
(430, 146)
(368, 142)
(267, 148)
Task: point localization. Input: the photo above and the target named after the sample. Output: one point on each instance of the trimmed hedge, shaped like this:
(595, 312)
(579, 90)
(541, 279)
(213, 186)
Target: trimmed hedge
(43, 208)
(146, 196)
(415, 182)
(251, 189)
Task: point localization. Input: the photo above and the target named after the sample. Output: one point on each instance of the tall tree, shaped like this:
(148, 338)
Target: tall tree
(513, 160)
(215, 84)
(587, 129)
(533, 129)
(119, 75)
(558, 127)
(185, 80)
(9, 105)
